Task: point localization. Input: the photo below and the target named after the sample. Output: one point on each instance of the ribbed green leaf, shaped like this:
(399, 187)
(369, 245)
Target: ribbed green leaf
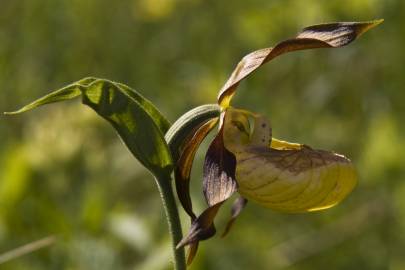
(140, 125)
(156, 115)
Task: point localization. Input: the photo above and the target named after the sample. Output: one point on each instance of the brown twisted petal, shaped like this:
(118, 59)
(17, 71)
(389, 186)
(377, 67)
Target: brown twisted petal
(184, 165)
(182, 180)
(219, 171)
(192, 251)
(237, 207)
(219, 184)
(330, 35)
(202, 227)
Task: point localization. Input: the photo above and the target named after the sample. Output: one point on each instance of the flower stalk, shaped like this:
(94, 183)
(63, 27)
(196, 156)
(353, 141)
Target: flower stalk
(172, 215)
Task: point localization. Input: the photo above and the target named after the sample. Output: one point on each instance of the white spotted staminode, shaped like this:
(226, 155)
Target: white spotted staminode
(245, 158)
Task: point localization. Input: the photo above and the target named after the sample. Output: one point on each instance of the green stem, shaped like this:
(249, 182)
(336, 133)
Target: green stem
(166, 193)
(175, 137)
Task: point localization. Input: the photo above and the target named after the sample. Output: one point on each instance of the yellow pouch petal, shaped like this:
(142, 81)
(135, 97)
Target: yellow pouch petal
(288, 177)
(294, 180)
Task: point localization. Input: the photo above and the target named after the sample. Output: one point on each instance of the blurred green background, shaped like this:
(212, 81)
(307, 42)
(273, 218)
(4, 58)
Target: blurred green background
(64, 172)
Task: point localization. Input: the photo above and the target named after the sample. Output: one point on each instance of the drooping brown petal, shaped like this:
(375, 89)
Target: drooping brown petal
(331, 35)
(184, 165)
(202, 227)
(192, 251)
(237, 207)
(219, 184)
(219, 172)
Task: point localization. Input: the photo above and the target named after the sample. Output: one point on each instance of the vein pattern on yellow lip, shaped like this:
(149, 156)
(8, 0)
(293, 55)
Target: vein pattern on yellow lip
(294, 180)
(283, 176)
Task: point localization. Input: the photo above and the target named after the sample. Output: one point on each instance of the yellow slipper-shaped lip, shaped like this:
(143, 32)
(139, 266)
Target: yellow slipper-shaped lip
(283, 176)
(294, 180)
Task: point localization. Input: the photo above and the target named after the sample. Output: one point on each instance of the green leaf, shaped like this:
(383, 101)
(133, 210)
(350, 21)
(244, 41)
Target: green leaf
(65, 93)
(140, 125)
(156, 115)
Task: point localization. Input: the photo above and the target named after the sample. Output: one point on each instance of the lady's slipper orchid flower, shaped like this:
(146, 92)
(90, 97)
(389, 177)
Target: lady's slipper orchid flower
(284, 176)
(244, 157)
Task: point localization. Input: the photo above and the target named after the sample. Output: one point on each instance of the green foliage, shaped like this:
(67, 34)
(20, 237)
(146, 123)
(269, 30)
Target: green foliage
(140, 125)
(88, 189)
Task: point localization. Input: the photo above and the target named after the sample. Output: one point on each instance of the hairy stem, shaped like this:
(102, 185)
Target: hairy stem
(166, 193)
